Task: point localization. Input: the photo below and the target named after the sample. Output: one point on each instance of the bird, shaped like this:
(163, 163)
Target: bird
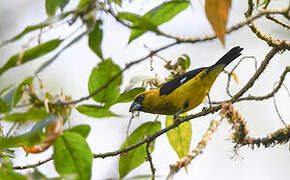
(184, 92)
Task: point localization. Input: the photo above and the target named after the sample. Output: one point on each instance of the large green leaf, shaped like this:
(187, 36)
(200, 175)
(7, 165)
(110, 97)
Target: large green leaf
(95, 111)
(159, 15)
(33, 114)
(129, 95)
(83, 130)
(137, 156)
(19, 90)
(72, 156)
(95, 39)
(30, 54)
(179, 137)
(100, 76)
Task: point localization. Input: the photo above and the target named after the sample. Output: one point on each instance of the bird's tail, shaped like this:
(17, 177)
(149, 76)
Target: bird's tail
(229, 56)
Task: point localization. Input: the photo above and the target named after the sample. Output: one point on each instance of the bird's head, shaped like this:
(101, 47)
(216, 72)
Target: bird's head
(137, 103)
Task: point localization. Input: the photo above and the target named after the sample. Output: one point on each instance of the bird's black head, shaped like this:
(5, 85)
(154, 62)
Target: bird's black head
(137, 103)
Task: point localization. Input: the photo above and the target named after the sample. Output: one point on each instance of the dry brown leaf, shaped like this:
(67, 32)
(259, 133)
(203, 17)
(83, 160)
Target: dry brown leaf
(217, 14)
(53, 131)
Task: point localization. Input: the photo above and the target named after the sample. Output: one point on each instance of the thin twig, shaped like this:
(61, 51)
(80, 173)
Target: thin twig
(257, 74)
(234, 68)
(149, 158)
(33, 165)
(277, 21)
(276, 107)
(267, 96)
(11, 129)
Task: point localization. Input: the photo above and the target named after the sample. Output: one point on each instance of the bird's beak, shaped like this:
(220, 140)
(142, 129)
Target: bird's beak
(135, 107)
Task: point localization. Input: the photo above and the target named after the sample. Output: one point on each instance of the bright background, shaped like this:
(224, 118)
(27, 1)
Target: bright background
(72, 69)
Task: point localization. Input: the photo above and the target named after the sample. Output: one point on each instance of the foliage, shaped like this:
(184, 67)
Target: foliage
(21, 103)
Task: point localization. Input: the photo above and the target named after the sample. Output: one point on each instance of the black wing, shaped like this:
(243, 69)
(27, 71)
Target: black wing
(170, 86)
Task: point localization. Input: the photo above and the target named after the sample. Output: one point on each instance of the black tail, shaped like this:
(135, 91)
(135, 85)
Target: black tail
(230, 56)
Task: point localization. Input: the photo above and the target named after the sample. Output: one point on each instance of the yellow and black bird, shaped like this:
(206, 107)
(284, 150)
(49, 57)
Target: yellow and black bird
(184, 92)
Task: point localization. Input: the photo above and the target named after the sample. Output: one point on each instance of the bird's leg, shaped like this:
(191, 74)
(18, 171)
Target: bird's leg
(209, 101)
(156, 118)
(176, 115)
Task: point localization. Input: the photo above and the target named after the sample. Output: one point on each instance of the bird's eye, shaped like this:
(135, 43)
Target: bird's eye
(140, 98)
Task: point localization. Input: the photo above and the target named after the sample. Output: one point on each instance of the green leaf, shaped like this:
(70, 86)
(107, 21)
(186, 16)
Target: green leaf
(100, 76)
(179, 137)
(128, 96)
(30, 54)
(4, 107)
(51, 6)
(72, 156)
(19, 89)
(31, 138)
(118, 2)
(26, 139)
(33, 114)
(84, 3)
(95, 111)
(159, 15)
(140, 24)
(95, 39)
(137, 156)
(8, 97)
(29, 29)
(166, 11)
(62, 4)
(184, 61)
(83, 130)
(10, 175)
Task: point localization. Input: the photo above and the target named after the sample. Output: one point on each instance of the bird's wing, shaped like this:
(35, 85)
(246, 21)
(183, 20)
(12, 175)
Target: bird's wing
(170, 86)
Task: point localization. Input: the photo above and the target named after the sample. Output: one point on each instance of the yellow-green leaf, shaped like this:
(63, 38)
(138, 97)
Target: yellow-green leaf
(217, 14)
(179, 137)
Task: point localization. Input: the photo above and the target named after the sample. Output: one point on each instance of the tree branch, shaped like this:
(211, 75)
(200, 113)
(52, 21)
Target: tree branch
(181, 120)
